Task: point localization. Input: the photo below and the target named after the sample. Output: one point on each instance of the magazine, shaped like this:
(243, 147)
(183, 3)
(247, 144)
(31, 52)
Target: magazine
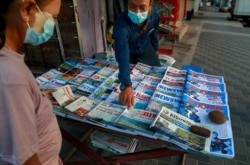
(136, 120)
(81, 66)
(113, 65)
(178, 71)
(90, 85)
(141, 68)
(149, 78)
(88, 72)
(73, 62)
(105, 95)
(148, 91)
(105, 112)
(211, 97)
(206, 77)
(115, 143)
(64, 67)
(95, 68)
(93, 82)
(170, 90)
(172, 81)
(210, 86)
(136, 76)
(115, 83)
(166, 60)
(102, 74)
(157, 71)
(47, 76)
(64, 95)
(110, 81)
(53, 84)
(156, 105)
(70, 74)
(147, 83)
(82, 105)
(141, 100)
(222, 140)
(100, 63)
(165, 98)
(178, 129)
(175, 75)
(98, 92)
(114, 97)
(79, 79)
(88, 61)
(146, 87)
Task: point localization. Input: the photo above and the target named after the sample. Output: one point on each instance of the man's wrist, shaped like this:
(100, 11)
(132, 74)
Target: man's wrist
(124, 86)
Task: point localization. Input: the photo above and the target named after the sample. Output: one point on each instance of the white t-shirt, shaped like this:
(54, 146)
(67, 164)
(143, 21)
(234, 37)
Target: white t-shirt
(27, 123)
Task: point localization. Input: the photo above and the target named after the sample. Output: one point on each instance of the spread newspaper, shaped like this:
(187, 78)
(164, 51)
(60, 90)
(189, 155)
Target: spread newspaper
(90, 93)
(222, 137)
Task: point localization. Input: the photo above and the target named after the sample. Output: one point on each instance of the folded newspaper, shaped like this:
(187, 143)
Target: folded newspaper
(64, 95)
(82, 105)
(177, 128)
(222, 140)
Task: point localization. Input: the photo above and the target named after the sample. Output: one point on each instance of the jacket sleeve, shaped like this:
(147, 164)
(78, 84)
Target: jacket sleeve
(154, 34)
(122, 53)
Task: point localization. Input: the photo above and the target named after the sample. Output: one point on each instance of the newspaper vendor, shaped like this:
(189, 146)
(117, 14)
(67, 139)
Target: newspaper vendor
(136, 40)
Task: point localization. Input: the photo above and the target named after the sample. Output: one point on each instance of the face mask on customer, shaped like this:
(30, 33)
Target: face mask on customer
(137, 18)
(42, 30)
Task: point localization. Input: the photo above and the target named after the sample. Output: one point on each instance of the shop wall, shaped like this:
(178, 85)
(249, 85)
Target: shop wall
(91, 31)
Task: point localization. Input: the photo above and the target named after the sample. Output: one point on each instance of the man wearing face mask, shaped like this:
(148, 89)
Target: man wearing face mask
(30, 134)
(136, 40)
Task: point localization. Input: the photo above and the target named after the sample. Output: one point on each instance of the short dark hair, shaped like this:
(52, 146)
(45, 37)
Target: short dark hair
(4, 6)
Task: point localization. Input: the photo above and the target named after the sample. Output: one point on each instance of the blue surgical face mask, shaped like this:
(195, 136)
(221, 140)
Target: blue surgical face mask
(137, 18)
(35, 38)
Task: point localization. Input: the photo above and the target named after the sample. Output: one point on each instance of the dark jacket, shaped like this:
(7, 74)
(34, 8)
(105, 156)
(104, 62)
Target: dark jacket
(129, 41)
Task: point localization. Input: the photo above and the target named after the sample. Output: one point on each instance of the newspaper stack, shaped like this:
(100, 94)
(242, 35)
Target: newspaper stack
(203, 94)
(117, 144)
